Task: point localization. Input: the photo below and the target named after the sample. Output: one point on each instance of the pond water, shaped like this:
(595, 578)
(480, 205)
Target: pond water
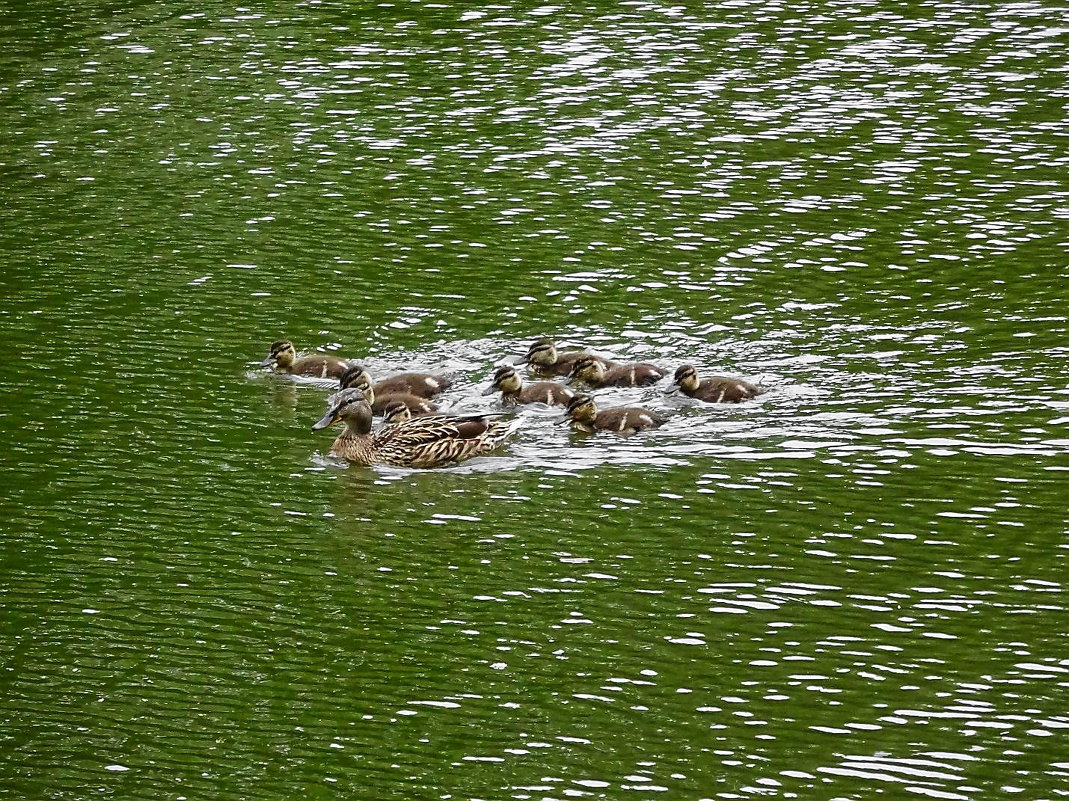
(853, 585)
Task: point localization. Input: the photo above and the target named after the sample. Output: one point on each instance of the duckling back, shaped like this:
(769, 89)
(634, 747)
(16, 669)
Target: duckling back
(627, 420)
(422, 385)
(415, 405)
(548, 392)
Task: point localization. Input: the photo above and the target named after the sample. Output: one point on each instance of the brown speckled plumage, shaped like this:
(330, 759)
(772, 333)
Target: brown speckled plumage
(429, 441)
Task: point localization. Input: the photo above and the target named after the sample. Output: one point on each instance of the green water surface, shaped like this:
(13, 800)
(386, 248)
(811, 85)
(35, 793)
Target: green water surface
(850, 587)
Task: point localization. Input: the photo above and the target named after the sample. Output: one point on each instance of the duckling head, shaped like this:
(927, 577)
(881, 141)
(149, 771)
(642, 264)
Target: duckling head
(395, 412)
(586, 368)
(542, 351)
(506, 380)
(282, 354)
(350, 407)
(356, 377)
(353, 375)
(581, 409)
(686, 377)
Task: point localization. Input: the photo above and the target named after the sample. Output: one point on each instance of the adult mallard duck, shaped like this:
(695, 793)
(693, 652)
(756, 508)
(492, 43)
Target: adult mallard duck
(357, 377)
(283, 357)
(583, 415)
(422, 385)
(507, 381)
(544, 359)
(595, 373)
(717, 389)
(429, 441)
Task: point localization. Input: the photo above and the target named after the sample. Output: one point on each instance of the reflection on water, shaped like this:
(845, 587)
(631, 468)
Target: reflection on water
(852, 584)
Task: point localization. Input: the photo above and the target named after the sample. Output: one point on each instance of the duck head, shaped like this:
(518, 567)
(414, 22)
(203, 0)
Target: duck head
(581, 409)
(505, 380)
(686, 377)
(350, 407)
(395, 412)
(356, 377)
(282, 355)
(586, 368)
(542, 351)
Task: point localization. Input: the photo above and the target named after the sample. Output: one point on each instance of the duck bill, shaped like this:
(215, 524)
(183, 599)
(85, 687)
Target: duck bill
(489, 390)
(327, 420)
(270, 360)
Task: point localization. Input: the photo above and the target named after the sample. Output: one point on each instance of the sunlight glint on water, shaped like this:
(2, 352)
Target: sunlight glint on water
(852, 585)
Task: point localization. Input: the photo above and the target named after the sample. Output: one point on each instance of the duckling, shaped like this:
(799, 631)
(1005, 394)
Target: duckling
(583, 415)
(283, 357)
(543, 359)
(420, 442)
(357, 377)
(717, 389)
(513, 391)
(395, 411)
(422, 385)
(596, 374)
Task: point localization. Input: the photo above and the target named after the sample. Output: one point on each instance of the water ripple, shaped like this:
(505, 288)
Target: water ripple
(852, 585)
